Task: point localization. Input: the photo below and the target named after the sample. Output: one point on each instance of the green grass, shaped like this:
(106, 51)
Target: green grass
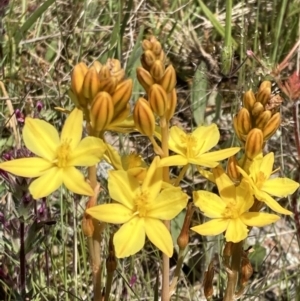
(40, 45)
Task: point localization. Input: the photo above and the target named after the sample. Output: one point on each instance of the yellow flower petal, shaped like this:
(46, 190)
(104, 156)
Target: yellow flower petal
(75, 181)
(110, 213)
(265, 164)
(112, 157)
(168, 204)
(211, 159)
(88, 152)
(210, 203)
(274, 205)
(207, 137)
(244, 197)
(123, 187)
(45, 133)
(176, 140)
(130, 238)
(176, 160)
(259, 219)
(72, 129)
(236, 231)
(47, 183)
(213, 227)
(159, 235)
(280, 187)
(26, 167)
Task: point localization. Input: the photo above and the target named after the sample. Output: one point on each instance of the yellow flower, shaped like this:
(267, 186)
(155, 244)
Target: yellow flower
(229, 210)
(141, 209)
(193, 148)
(57, 157)
(263, 186)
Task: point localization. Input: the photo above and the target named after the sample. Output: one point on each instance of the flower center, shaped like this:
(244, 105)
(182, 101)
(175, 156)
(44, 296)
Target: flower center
(141, 203)
(191, 145)
(63, 152)
(231, 211)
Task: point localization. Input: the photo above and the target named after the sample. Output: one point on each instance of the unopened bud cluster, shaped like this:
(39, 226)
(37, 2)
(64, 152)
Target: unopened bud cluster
(102, 90)
(159, 82)
(258, 120)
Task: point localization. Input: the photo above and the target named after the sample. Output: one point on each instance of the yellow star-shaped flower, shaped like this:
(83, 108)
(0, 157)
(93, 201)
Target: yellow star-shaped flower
(263, 185)
(229, 211)
(56, 156)
(141, 208)
(193, 148)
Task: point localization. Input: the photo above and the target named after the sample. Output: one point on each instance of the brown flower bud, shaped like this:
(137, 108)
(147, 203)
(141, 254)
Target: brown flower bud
(122, 92)
(183, 238)
(87, 225)
(264, 93)
(254, 143)
(148, 58)
(272, 126)
(144, 78)
(244, 121)
(102, 111)
(77, 79)
(157, 70)
(172, 103)
(257, 109)
(108, 85)
(262, 119)
(249, 100)
(158, 99)
(143, 117)
(168, 81)
(91, 84)
(241, 137)
(208, 281)
(156, 48)
(232, 171)
(104, 72)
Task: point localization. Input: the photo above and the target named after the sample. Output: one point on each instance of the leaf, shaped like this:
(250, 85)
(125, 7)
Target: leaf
(257, 257)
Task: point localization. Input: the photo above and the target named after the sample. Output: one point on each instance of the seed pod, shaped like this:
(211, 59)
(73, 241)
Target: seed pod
(172, 103)
(249, 100)
(158, 99)
(254, 143)
(244, 121)
(168, 81)
(143, 117)
(257, 109)
(262, 119)
(102, 111)
(157, 70)
(144, 78)
(91, 84)
(272, 126)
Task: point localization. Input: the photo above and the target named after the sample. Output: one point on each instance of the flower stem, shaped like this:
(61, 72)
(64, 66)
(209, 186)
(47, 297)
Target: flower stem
(166, 261)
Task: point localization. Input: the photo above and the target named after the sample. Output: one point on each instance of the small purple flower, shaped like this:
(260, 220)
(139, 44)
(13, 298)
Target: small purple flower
(20, 116)
(39, 106)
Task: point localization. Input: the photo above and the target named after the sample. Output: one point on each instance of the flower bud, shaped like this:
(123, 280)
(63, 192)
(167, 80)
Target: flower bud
(168, 81)
(244, 121)
(241, 137)
(249, 100)
(87, 226)
(146, 45)
(156, 48)
(148, 58)
(122, 92)
(157, 70)
(183, 238)
(264, 93)
(91, 84)
(144, 78)
(172, 103)
(232, 171)
(108, 85)
(113, 65)
(104, 72)
(263, 119)
(143, 117)
(254, 143)
(119, 75)
(257, 109)
(97, 65)
(158, 99)
(77, 78)
(102, 111)
(272, 126)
